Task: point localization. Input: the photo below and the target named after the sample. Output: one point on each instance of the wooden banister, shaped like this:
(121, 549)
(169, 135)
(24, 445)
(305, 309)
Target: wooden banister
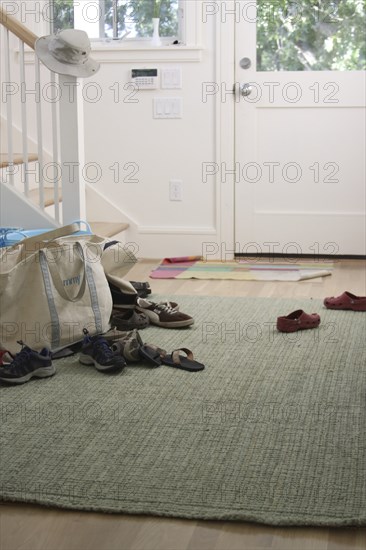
(67, 131)
(17, 28)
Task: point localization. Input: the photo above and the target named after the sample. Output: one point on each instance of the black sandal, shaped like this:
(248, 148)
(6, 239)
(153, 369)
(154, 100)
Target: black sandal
(152, 354)
(181, 362)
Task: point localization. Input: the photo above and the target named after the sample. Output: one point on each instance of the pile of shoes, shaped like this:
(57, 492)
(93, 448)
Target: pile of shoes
(132, 349)
(111, 352)
(131, 310)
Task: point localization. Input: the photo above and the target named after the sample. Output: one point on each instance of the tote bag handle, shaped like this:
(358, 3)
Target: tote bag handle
(48, 236)
(56, 278)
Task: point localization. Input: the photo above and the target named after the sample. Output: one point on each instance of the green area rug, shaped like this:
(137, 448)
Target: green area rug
(272, 431)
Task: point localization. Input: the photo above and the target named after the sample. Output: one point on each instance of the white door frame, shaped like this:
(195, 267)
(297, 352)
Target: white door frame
(225, 130)
(226, 29)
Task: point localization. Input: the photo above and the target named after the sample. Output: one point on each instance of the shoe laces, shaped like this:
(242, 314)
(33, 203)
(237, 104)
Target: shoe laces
(102, 349)
(20, 358)
(166, 307)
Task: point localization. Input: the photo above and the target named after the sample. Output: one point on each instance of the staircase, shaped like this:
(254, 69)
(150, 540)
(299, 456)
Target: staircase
(17, 159)
(26, 201)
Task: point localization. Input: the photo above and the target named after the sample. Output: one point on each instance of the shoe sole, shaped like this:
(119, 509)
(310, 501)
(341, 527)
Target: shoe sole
(295, 329)
(346, 308)
(43, 372)
(173, 324)
(87, 360)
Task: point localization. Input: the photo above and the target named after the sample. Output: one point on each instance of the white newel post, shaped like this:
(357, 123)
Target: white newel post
(72, 149)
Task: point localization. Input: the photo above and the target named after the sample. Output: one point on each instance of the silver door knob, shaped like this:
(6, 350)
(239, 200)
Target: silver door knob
(245, 90)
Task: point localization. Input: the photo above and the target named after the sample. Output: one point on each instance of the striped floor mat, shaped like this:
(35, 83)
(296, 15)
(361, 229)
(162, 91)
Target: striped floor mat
(241, 270)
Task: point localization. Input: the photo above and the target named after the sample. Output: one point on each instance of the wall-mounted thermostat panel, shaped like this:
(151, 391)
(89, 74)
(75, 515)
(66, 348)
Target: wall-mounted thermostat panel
(145, 79)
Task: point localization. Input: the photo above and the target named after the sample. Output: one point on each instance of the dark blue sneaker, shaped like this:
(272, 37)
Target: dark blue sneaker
(26, 365)
(96, 351)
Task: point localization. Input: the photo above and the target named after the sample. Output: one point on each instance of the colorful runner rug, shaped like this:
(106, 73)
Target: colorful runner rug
(194, 267)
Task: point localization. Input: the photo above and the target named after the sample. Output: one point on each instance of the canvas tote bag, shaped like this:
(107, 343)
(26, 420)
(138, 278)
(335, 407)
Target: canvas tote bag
(117, 260)
(52, 286)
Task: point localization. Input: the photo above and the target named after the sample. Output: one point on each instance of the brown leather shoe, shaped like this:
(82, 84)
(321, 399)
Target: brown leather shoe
(298, 320)
(346, 301)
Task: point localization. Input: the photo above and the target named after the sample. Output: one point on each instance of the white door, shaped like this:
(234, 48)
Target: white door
(300, 139)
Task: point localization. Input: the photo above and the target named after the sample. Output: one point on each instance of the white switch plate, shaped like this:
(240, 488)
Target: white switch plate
(175, 190)
(171, 78)
(168, 107)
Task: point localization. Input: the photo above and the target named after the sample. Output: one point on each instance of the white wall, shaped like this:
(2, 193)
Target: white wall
(124, 133)
(156, 151)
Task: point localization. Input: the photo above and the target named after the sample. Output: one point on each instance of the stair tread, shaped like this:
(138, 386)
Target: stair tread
(108, 229)
(17, 159)
(105, 229)
(48, 194)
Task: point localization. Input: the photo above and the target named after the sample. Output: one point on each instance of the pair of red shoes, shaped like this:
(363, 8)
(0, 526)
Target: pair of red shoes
(299, 320)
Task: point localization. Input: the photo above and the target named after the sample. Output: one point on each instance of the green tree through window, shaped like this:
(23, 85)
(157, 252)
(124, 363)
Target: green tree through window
(312, 35)
(134, 16)
(63, 14)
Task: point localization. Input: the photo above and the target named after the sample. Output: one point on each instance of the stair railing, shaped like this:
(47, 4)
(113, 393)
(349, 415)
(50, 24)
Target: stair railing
(67, 141)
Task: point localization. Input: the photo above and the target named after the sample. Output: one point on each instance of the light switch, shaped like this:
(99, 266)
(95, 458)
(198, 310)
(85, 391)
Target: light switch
(171, 78)
(159, 107)
(168, 107)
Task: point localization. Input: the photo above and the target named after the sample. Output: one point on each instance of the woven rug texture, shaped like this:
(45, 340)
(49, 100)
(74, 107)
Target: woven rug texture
(272, 431)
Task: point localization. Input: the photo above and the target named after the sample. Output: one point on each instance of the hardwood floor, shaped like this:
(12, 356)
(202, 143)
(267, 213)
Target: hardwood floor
(26, 527)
